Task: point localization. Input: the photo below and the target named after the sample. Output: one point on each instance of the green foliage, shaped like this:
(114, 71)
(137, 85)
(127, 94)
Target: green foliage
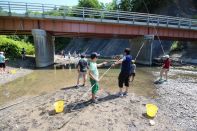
(61, 43)
(176, 46)
(23, 38)
(194, 17)
(12, 48)
(112, 5)
(144, 6)
(89, 4)
(126, 5)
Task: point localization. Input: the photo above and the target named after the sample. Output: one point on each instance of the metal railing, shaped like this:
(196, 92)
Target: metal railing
(48, 11)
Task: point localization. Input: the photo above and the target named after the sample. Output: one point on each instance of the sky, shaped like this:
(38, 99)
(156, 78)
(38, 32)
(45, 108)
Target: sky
(56, 2)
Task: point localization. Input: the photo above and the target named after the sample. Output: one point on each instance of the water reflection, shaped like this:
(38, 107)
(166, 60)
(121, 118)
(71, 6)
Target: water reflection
(52, 79)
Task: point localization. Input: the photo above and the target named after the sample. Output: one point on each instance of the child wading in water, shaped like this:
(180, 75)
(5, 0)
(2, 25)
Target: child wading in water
(165, 67)
(94, 75)
(82, 70)
(133, 68)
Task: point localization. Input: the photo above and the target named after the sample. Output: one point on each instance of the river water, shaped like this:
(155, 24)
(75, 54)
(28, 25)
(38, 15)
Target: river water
(48, 80)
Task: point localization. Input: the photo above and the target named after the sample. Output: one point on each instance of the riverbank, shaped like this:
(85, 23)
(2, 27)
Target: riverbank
(175, 99)
(17, 68)
(178, 97)
(112, 113)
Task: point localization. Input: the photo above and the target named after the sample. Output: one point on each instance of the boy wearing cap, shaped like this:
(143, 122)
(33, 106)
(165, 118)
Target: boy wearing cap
(133, 68)
(82, 67)
(2, 62)
(165, 67)
(94, 75)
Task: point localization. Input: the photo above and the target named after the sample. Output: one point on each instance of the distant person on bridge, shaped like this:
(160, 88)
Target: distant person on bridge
(123, 78)
(2, 62)
(94, 75)
(23, 53)
(82, 67)
(133, 68)
(165, 68)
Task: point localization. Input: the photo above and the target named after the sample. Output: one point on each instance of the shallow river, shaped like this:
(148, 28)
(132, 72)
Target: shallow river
(50, 79)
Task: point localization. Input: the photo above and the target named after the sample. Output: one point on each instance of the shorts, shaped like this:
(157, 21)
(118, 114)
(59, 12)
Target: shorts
(2, 65)
(82, 74)
(123, 78)
(132, 74)
(95, 85)
(166, 69)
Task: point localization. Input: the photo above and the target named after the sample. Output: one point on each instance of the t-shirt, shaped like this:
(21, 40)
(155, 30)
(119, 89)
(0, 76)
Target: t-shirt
(133, 67)
(2, 59)
(23, 52)
(93, 69)
(126, 64)
(83, 65)
(166, 64)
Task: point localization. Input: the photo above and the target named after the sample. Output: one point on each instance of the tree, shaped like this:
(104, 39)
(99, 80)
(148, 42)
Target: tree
(89, 4)
(145, 6)
(126, 5)
(112, 5)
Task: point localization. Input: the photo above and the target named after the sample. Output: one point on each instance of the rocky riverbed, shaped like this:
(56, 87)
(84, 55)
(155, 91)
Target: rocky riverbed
(112, 113)
(178, 98)
(176, 101)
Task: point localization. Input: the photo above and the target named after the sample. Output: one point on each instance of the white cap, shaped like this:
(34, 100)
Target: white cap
(167, 56)
(1, 52)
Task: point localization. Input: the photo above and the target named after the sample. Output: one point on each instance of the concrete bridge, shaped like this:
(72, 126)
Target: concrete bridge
(38, 20)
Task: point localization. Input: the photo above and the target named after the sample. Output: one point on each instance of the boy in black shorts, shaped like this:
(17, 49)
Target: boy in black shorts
(123, 78)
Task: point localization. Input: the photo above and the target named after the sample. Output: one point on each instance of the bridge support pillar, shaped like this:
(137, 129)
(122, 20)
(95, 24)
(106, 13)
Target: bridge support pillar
(44, 48)
(145, 55)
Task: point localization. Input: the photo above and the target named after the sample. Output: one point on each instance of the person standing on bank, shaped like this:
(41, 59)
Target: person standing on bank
(165, 68)
(82, 67)
(2, 62)
(123, 78)
(23, 53)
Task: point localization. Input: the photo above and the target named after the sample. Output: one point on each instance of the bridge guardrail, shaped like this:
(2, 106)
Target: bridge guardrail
(35, 10)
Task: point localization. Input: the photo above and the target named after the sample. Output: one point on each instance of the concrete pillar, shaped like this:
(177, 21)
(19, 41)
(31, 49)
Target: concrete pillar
(44, 48)
(145, 55)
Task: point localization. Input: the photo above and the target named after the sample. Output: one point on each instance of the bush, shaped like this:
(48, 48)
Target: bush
(176, 46)
(12, 48)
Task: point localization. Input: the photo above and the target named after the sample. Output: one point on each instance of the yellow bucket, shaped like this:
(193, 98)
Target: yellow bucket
(151, 110)
(13, 71)
(59, 106)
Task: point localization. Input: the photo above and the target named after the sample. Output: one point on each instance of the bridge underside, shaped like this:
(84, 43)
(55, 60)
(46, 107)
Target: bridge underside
(15, 25)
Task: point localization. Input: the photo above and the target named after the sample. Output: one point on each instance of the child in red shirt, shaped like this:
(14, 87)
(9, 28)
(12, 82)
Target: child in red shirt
(165, 67)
